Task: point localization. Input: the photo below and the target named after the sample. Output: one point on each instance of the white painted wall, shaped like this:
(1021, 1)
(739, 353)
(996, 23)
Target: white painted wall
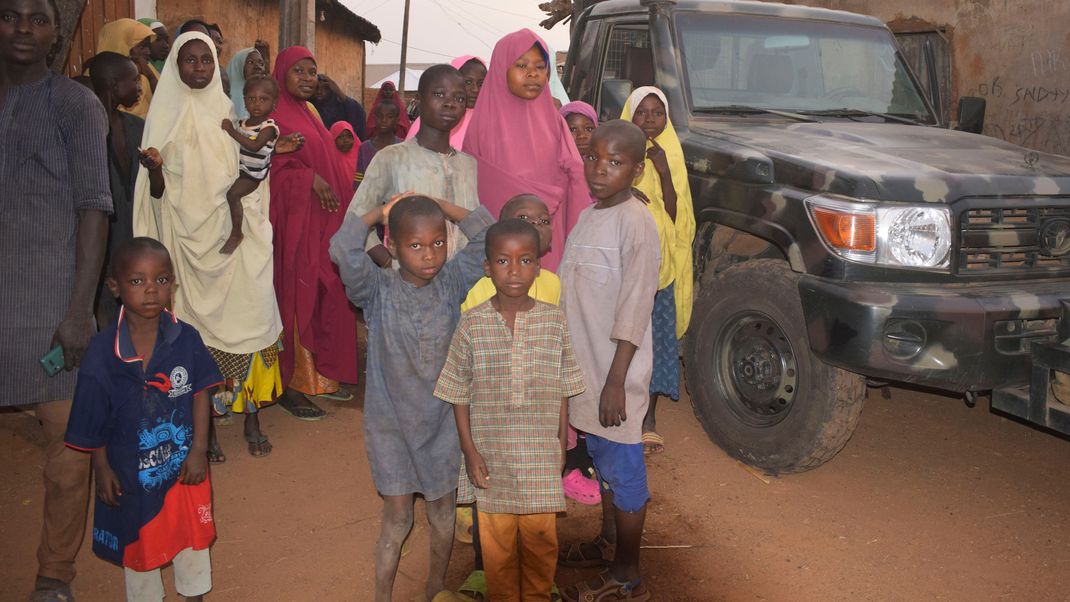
(144, 8)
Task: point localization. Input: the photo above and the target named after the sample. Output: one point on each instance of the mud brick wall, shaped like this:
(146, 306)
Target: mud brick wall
(1014, 53)
(338, 54)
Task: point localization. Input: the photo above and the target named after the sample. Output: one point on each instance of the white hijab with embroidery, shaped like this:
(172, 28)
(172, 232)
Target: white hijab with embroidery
(229, 299)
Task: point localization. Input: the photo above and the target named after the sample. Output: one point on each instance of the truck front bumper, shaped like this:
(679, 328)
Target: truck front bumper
(960, 337)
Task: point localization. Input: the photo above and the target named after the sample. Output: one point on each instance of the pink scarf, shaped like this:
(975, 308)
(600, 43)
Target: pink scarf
(348, 160)
(459, 130)
(524, 146)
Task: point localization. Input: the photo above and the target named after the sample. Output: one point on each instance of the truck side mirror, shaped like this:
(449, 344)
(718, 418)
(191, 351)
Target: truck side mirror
(971, 114)
(614, 94)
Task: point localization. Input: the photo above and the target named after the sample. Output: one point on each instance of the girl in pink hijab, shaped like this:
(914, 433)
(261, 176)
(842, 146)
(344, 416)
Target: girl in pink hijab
(522, 143)
(474, 71)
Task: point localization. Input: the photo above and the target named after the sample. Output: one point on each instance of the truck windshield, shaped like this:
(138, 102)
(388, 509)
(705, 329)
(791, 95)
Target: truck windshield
(795, 65)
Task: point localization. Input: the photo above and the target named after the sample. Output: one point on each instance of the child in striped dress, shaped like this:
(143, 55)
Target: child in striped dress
(256, 136)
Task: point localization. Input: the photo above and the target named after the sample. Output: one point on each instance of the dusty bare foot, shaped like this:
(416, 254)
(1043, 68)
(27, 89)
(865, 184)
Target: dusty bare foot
(232, 243)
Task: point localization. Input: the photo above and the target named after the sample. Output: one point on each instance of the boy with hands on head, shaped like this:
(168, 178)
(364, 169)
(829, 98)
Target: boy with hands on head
(410, 436)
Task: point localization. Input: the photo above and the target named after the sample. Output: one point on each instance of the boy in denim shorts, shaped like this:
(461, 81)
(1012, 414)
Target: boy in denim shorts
(608, 279)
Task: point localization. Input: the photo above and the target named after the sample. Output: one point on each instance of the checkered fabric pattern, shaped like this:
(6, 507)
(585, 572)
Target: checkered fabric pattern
(514, 383)
(236, 366)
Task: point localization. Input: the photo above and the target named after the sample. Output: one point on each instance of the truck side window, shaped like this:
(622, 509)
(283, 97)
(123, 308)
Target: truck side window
(628, 56)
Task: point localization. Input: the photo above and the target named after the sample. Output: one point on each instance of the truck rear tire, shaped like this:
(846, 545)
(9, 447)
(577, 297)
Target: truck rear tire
(755, 386)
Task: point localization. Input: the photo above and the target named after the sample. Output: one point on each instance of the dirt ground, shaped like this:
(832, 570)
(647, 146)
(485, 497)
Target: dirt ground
(929, 501)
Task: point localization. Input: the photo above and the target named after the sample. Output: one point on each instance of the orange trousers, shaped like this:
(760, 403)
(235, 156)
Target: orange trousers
(519, 555)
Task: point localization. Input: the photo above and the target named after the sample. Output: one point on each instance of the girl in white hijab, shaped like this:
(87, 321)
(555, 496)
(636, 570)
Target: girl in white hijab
(228, 298)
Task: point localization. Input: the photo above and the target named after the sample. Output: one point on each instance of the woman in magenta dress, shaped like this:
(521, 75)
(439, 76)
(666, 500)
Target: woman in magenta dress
(522, 143)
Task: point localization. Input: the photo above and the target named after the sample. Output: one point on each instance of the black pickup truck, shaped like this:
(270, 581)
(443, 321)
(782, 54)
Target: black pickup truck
(844, 232)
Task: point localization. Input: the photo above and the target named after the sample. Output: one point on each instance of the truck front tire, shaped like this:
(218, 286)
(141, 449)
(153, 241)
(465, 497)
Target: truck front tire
(755, 386)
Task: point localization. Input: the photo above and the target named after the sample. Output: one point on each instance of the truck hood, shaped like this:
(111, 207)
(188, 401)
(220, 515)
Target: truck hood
(895, 162)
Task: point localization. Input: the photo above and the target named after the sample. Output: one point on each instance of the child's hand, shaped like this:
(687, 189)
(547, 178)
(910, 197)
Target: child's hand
(227, 125)
(385, 219)
(478, 473)
(656, 154)
(150, 158)
(611, 407)
(290, 143)
(108, 489)
(194, 469)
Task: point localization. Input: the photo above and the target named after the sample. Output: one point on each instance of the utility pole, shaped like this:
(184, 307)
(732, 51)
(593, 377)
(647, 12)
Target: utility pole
(404, 50)
(297, 24)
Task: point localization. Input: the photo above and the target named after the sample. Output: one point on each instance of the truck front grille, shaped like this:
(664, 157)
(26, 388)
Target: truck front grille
(1028, 239)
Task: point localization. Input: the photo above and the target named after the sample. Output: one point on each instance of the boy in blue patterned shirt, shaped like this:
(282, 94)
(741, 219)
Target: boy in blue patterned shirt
(141, 410)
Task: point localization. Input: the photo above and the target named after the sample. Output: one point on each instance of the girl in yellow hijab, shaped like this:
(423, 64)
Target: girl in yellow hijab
(133, 39)
(664, 182)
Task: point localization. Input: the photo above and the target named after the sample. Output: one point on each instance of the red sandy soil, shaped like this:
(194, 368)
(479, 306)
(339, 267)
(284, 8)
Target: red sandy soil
(929, 501)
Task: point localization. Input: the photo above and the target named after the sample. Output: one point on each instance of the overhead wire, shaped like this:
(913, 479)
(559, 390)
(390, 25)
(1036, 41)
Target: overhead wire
(461, 25)
(411, 47)
(494, 8)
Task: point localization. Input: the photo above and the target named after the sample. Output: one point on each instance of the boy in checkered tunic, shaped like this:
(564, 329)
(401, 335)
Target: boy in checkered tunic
(509, 373)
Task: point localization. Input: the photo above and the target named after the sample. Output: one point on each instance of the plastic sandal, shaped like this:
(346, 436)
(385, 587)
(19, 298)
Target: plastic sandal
(653, 443)
(462, 530)
(475, 586)
(580, 488)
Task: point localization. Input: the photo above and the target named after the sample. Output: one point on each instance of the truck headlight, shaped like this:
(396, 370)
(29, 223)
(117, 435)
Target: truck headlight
(916, 237)
(911, 236)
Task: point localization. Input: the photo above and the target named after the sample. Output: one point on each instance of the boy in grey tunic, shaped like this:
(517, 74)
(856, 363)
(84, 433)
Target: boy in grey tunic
(608, 279)
(410, 435)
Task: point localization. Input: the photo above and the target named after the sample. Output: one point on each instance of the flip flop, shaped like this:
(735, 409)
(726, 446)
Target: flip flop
(308, 411)
(653, 443)
(339, 395)
(216, 455)
(259, 447)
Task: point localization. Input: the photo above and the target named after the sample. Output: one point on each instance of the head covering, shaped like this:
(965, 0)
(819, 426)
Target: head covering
(349, 160)
(524, 146)
(683, 229)
(151, 23)
(236, 73)
(557, 89)
(222, 296)
(403, 115)
(459, 130)
(311, 296)
(294, 115)
(120, 36)
(582, 108)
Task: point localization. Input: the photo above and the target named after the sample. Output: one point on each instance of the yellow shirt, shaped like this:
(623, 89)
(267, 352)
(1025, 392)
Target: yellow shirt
(546, 288)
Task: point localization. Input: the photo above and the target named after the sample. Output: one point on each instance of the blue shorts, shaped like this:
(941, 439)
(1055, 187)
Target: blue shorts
(622, 470)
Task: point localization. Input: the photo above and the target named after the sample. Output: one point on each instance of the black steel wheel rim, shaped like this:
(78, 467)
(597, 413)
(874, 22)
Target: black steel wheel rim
(757, 370)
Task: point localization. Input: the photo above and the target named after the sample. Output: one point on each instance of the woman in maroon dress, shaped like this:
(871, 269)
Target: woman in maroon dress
(310, 192)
